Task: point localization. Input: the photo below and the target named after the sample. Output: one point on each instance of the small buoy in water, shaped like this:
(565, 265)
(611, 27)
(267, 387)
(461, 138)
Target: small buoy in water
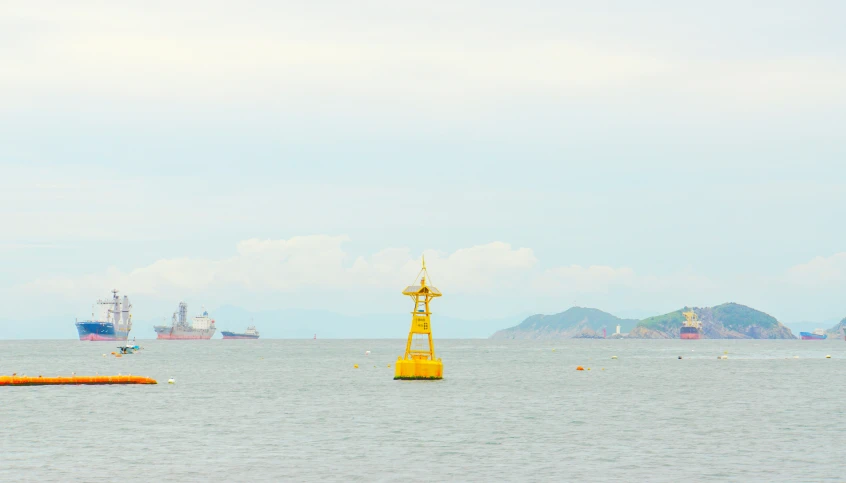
(795, 357)
(104, 355)
(355, 366)
(171, 381)
(603, 368)
(613, 357)
(553, 350)
(724, 357)
(389, 365)
(828, 356)
(580, 368)
(588, 368)
(367, 353)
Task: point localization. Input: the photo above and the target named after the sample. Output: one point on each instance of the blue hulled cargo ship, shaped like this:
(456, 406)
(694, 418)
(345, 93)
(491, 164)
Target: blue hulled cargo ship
(110, 320)
(818, 334)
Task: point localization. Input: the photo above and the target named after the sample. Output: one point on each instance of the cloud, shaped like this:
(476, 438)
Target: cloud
(303, 263)
(579, 279)
(287, 54)
(818, 271)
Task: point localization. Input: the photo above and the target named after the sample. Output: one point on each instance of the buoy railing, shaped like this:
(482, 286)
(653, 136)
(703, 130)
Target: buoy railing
(73, 380)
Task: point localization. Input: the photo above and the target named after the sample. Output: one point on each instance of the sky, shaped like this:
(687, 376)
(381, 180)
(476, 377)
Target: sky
(636, 157)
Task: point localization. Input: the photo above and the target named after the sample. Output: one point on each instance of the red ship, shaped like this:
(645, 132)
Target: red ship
(692, 327)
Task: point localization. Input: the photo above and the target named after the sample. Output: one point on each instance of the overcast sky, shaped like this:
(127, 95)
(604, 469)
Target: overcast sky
(631, 156)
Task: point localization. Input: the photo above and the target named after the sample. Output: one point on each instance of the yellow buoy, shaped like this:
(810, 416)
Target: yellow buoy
(828, 356)
(419, 360)
(355, 366)
(613, 357)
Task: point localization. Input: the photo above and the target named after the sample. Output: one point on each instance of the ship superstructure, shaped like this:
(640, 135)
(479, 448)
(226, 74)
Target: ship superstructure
(250, 333)
(111, 319)
(691, 327)
(199, 327)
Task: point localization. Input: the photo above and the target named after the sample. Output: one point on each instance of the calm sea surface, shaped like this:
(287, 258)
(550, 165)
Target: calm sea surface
(272, 410)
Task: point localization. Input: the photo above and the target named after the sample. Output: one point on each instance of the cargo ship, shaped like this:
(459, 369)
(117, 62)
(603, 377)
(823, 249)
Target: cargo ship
(250, 333)
(110, 320)
(817, 334)
(691, 328)
(200, 327)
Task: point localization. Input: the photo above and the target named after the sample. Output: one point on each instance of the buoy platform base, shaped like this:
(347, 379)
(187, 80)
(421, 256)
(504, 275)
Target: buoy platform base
(73, 381)
(416, 369)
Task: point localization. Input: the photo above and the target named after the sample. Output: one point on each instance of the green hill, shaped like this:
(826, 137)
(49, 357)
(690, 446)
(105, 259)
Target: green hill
(838, 329)
(575, 322)
(726, 321)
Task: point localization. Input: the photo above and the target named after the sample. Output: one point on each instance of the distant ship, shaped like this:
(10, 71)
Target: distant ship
(691, 327)
(110, 320)
(200, 327)
(817, 334)
(250, 333)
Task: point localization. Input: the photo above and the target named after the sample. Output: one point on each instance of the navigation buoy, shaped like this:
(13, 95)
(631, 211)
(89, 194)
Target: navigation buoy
(355, 366)
(171, 381)
(828, 356)
(418, 361)
(613, 357)
(580, 368)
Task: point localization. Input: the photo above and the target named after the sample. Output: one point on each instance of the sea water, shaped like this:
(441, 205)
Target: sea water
(298, 410)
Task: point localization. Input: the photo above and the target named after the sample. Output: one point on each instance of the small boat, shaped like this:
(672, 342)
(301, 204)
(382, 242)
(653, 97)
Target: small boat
(128, 349)
(250, 333)
(817, 334)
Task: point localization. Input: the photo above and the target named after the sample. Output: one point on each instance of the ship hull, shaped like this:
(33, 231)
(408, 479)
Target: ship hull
(101, 331)
(690, 333)
(169, 333)
(812, 336)
(232, 335)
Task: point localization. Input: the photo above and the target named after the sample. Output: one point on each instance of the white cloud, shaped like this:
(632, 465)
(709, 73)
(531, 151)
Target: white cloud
(819, 271)
(579, 279)
(288, 53)
(303, 263)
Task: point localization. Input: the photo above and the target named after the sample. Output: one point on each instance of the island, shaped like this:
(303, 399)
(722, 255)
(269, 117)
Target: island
(726, 321)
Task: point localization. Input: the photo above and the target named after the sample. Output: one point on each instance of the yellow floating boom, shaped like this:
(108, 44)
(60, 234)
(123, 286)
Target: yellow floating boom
(73, 380)
(420, 363)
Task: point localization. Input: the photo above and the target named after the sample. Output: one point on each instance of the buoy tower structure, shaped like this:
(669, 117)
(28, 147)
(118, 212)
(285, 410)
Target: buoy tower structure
(419, 361)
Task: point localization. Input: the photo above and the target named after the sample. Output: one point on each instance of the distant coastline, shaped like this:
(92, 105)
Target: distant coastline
(725, 321)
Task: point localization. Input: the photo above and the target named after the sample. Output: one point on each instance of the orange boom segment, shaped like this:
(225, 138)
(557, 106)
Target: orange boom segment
(75, 380)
